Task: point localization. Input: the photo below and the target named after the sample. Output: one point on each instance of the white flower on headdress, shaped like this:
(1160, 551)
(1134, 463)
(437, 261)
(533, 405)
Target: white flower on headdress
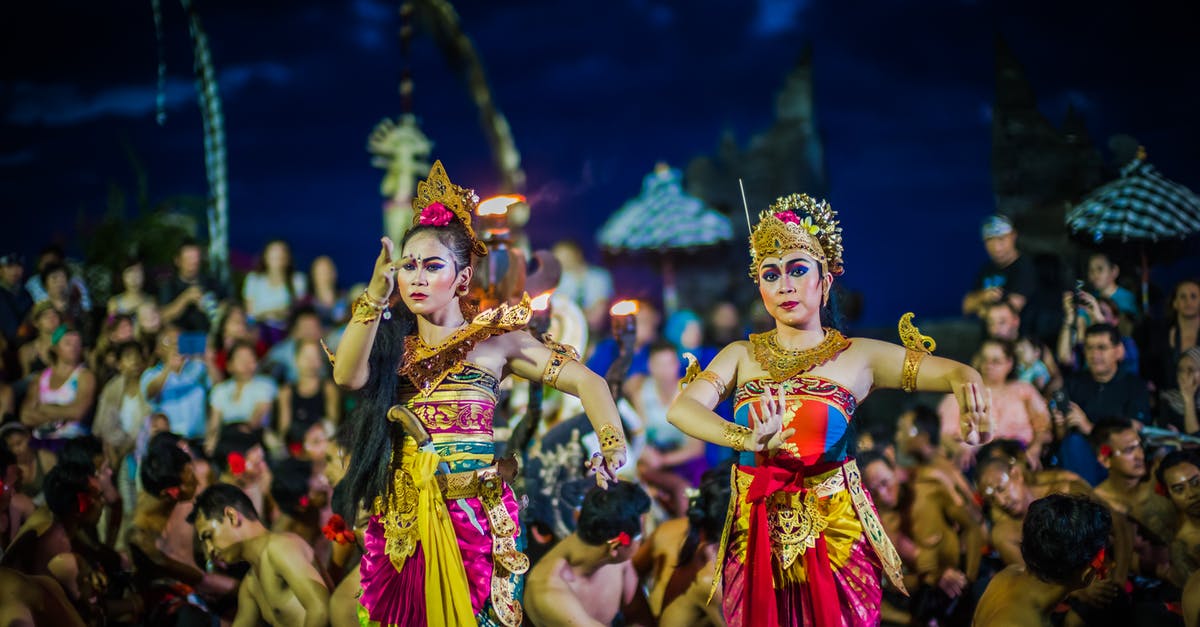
(807, 224)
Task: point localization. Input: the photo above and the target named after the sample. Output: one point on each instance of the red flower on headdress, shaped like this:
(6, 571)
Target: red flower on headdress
(1098, 564)
(623, 539)
(1105, 450)
(436, 214)
(237, 463)
(296, 448)
(337, 531)
(787, 217)
(172, 492)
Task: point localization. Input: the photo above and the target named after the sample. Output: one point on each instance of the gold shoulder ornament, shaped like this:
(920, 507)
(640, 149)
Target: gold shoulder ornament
(916, 346)
(693, 373)
(426, 366)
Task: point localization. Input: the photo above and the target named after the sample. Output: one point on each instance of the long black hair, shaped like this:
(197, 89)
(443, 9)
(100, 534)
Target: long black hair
(373, 441)
(707, 510)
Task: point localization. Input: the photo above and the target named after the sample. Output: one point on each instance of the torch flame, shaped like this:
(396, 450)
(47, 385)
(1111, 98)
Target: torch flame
(498, 205)
(624, 308)
(541, 302)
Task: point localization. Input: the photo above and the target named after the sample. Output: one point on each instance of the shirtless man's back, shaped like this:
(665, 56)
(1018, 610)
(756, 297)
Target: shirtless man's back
(265, 592)
(588, 577)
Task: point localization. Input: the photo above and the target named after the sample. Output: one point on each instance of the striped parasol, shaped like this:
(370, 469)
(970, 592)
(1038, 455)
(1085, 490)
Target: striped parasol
(1140, 206)
(664, 219)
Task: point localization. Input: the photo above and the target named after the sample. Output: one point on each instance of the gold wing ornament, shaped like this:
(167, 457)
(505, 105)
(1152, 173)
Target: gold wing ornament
(693, 370)
(916, 346)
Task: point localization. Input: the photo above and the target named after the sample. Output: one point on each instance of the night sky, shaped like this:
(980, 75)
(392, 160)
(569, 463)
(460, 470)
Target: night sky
(595, 94)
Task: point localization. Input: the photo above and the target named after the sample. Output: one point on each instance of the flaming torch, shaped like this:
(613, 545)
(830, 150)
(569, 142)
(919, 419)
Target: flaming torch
(624, 330)
(500, 276)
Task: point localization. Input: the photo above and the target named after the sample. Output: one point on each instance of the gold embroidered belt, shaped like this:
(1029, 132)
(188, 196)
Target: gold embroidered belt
(797, 513)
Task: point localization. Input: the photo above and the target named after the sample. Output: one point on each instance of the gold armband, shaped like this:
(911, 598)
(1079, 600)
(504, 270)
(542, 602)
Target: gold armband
(912, 365)
(560, 354)
(713, 379)
(366, 310)
(610, 438)
(917, 347)
(735, 436)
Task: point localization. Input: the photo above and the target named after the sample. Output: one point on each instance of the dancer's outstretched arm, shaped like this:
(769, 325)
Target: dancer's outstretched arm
(351, 368)
(692, 410)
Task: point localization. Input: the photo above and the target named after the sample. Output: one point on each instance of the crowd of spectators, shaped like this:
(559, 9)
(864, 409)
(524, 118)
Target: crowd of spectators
(147, 440)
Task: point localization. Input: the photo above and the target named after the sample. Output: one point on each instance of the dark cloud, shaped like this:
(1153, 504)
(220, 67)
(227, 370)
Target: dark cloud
(595, 93)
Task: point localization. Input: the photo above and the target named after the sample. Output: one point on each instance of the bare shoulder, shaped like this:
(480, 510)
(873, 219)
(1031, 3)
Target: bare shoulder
(287, 546)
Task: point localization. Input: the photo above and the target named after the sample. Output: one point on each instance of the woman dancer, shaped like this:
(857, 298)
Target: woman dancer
(802, 543)
(441, 547)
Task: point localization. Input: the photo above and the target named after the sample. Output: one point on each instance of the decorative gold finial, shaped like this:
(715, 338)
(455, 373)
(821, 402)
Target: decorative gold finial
(459, 200)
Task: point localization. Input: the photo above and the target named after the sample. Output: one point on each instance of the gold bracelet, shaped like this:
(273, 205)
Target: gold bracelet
(610, 438)
(735, 436)
(713, 379)
(553, 367)
(366, 310)
(912, 365)
(560, 354)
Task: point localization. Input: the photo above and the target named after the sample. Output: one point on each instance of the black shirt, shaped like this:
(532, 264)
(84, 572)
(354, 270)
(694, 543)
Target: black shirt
(194, 318)
(1018, 277)
(1124, 396)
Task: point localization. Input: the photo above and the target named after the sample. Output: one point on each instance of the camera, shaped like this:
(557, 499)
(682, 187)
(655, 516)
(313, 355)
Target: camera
(1060, 401)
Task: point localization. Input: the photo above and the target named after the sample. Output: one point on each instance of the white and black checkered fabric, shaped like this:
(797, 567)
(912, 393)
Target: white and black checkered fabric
(1141, 205)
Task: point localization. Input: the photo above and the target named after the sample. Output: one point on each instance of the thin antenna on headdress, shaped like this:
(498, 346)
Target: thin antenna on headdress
(745, 205)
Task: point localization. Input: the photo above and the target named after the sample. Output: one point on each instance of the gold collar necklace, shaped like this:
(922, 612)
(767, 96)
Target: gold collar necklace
(783, 363)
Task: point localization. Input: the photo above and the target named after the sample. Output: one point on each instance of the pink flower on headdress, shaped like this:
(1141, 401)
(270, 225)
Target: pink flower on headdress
(787, 217)
(436, 214)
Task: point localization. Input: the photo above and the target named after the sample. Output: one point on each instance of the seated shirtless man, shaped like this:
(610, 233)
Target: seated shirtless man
(1063, 544)
(1127, 493)
(283, 586)
(29, 601)
(1179, 474)
(940, 520)
(587, 579)
(168, 484)
(680, 555)
(1003, 487)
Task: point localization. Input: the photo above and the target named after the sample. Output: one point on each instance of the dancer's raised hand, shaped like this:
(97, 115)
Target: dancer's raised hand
(383, 278)
(974, 413)
(766, 424)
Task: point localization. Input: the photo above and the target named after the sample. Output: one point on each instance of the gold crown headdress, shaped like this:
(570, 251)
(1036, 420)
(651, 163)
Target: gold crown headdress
(459, 200)
(807, 225)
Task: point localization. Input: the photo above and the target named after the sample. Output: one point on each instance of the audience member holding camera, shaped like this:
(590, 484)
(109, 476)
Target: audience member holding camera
(1100, 391)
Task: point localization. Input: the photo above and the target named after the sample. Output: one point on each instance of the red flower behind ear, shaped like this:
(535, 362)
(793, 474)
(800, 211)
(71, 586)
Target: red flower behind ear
(337, 531)
(237, 463)
(172, 492)
(296, 448)
(85, 500)
(1105, 450)
(304, 501)
(1159, 489)
(623, 539)
(1098, 564)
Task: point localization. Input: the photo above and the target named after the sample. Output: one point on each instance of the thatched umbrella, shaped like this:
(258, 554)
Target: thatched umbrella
(1140, 208)
(664, 220)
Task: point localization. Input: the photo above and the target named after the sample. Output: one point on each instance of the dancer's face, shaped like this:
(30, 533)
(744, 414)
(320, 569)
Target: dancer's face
(791, 287)
(427, 278)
